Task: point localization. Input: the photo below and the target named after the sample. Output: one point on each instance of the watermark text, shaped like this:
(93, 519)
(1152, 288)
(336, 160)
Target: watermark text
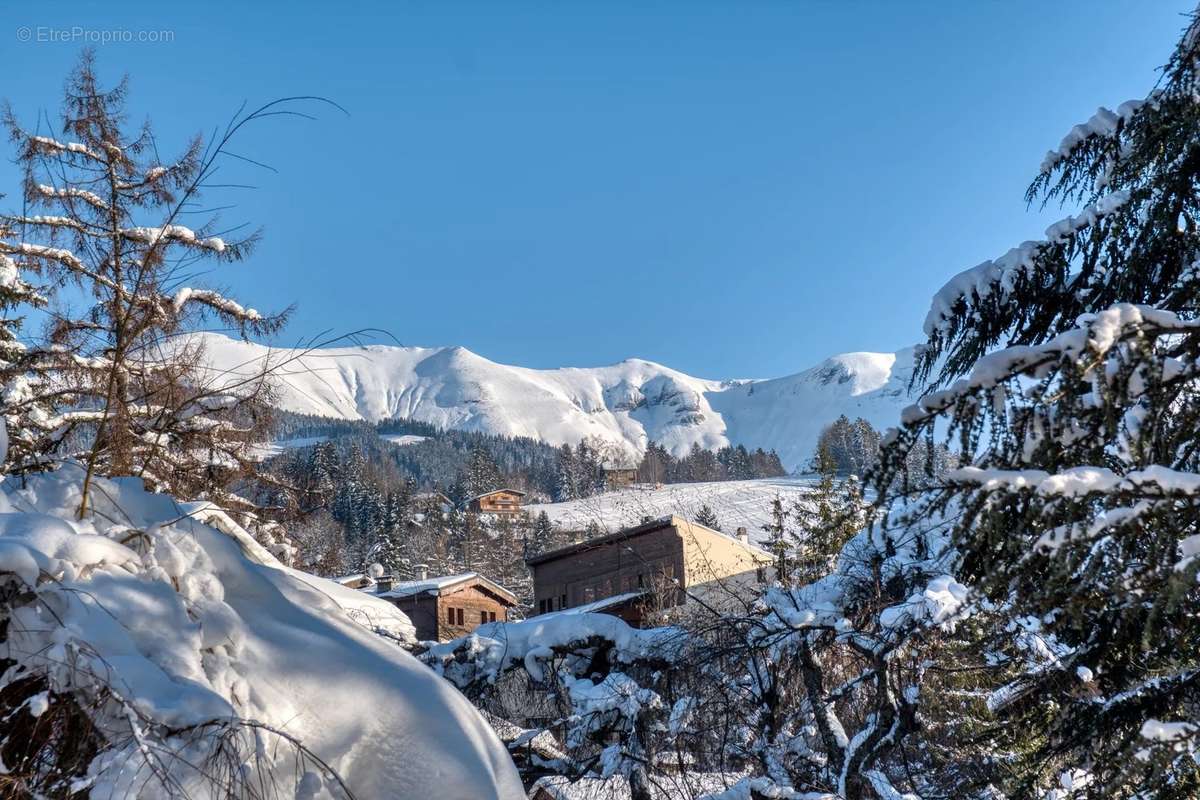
(79, 34)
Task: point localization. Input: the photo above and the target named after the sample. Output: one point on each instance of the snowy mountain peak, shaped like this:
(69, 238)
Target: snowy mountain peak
(629, 403)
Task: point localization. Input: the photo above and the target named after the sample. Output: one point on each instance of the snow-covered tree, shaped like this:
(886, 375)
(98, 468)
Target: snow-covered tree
(779, 540)
(826, 518)
(708, 518)
(24, 405)
(542, 536)
(567, 480)
(105, 210)
(1076, 518)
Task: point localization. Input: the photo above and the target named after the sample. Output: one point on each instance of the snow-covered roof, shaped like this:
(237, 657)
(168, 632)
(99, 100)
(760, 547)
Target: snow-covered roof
(597, 606)
(358, 577)
(496, 491)
(671, 520)
(446, 583)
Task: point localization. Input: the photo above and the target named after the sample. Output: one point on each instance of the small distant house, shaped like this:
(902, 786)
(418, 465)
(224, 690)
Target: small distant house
(359, 580)
(499, 501)
(639, 571)
(620, 478)
(448, 606)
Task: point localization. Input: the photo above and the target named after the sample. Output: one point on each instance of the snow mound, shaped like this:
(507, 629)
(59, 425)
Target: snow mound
(630, 403)
(177, 631)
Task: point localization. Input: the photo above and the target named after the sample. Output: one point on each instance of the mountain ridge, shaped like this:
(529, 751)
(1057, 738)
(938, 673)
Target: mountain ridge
(629, 403)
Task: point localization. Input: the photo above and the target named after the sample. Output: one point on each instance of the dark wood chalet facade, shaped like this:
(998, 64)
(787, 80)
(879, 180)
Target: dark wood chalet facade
(640, 571)
(449, 606)
(620, 478)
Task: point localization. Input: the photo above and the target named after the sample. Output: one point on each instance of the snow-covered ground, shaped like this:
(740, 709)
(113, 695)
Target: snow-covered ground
(189, 627)
(629, 403)
(402, 439)
(736, 503)
(271, 449)
(274, 448)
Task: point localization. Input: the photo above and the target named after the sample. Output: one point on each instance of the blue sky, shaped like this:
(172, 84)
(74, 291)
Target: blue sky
(733, 189)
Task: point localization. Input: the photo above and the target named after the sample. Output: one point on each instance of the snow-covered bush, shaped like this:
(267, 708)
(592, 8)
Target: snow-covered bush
(155, 649)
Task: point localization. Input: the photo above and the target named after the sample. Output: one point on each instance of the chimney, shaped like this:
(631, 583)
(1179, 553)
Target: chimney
(743, 537)
(422, 572)
(383, 584)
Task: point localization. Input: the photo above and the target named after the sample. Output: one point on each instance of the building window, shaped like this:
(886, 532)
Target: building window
(449, 615)
(541, 606)
(461, 616)
(562, 602)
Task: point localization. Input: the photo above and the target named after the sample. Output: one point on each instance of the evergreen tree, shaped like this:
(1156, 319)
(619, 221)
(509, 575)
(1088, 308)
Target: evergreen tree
(826, 519)
(104, 213)
(481, 475)
(708, 518)
(1077, 519)
(542, 536)
(567, 485)
(779, 541)
(20, 390)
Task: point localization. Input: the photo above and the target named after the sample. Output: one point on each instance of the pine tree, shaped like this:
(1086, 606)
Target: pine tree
(567, 486)
(541, 536)
(779, 541)
(104, 213)
(827, 518)
(708, 518)
(481, 475)
(1077, 520)
(22, 397)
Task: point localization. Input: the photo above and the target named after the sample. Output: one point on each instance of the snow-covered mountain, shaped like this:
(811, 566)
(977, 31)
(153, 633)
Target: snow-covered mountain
(629, 403)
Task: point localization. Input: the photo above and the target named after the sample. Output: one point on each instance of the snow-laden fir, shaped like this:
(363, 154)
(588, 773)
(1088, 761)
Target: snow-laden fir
(629, 403)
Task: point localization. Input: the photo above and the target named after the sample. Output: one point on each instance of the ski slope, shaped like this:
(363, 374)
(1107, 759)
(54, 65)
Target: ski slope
(629, 403)
(736, 503)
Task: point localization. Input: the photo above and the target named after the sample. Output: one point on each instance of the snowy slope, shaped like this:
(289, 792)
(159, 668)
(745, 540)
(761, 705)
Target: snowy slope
(737, 504)
(629, 403)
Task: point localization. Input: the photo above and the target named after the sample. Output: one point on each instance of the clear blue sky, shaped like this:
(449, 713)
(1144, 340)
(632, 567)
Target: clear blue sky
(733, 189)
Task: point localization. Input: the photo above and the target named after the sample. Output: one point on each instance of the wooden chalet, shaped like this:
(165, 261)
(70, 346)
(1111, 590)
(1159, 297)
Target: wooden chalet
(498, 501)
(446, 607)
(640, 571)
(620, 478)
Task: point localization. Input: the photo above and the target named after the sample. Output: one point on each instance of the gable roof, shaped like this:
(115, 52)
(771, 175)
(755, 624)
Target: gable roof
(495, 491)
(671, 520)
(447, 584)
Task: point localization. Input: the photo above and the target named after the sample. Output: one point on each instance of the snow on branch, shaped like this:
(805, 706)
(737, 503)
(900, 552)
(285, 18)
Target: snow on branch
(174, 234)
(499, 647)
(1095, 334)
(999, 278)
(50, 146)
(1104, 124)
(58, 255)
(72, 193)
